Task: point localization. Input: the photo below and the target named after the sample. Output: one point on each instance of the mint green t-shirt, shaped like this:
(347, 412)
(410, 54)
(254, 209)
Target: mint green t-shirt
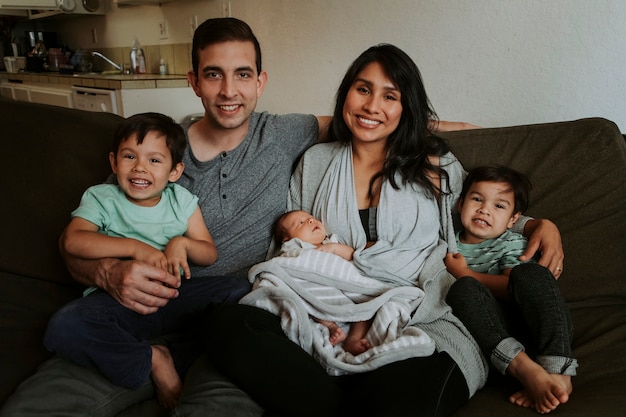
(107, 207)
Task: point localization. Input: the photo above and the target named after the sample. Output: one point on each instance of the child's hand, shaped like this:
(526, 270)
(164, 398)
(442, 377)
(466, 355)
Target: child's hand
(146, 253)
(176, 255)
(456, 264)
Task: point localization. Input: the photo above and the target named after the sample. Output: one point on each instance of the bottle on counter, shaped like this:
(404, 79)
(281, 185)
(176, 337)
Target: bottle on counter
(137, 58)
(162, 67)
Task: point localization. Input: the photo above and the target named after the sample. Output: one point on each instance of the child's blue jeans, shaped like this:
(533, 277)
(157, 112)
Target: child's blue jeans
(535, 319)
(96, 330)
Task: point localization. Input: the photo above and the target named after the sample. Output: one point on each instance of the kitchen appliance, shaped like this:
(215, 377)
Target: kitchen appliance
(14, 63)
(50, 7)
(94, 99)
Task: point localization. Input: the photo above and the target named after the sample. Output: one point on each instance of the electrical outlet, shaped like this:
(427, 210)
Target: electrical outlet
(226, 9)
(163, 30)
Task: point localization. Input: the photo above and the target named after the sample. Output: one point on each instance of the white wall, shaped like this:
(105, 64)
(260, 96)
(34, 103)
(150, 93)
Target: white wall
(489, 62)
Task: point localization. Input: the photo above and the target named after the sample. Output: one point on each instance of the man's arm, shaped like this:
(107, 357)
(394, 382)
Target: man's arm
(136, 285)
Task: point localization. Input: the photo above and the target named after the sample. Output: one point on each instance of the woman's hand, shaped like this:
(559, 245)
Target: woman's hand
(544, 236)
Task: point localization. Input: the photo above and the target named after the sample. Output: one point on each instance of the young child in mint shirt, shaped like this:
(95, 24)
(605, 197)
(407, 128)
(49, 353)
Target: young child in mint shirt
(514, 310)
(144, 216)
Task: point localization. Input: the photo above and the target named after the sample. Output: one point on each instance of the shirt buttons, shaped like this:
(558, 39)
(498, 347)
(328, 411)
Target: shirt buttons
(224, 196)
(224, 175)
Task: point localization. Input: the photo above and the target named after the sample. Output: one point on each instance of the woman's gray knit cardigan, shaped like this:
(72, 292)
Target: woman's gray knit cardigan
(433, 315)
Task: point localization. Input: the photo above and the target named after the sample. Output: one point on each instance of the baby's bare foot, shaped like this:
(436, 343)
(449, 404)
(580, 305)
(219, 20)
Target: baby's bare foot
(167, 383)
(356, 346)
(336, 334)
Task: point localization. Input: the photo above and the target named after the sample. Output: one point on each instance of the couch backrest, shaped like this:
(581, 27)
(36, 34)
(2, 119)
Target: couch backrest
(578, 171)
(50, 155)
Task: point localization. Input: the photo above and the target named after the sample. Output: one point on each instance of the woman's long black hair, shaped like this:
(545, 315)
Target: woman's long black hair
(410, 145)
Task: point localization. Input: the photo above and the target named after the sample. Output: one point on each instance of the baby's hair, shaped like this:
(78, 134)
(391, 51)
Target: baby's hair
(280, 231)
(141, 124)
(518, 182)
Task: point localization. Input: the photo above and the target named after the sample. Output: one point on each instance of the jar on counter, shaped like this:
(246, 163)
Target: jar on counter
(56, 59)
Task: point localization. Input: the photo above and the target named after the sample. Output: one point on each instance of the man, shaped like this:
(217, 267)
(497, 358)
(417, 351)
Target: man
(239, 163)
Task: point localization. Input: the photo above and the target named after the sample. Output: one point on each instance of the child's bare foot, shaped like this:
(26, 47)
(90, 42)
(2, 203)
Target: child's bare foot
(167, 383)
(336, 334)
(356, 346)
(543, 391)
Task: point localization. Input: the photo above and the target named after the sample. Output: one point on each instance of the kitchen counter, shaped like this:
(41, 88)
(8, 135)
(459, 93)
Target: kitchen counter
(95, 80)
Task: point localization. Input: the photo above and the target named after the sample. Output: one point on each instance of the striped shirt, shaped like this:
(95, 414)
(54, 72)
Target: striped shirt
(492, 256)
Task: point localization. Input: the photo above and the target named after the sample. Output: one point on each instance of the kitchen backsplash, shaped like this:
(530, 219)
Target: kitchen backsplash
(177, 58)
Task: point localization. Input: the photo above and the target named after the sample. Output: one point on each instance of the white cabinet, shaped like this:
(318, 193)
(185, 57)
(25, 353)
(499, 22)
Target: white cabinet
(15, 92)
(52, 96)
(175, 102)
(37, 94)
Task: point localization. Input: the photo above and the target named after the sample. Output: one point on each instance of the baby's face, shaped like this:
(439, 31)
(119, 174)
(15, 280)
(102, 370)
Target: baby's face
(487, 211)
(305, 227)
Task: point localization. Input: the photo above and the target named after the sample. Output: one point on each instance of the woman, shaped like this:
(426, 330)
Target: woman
(387, 186)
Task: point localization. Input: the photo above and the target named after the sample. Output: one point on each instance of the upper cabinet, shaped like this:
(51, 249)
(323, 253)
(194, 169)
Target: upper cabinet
(142, 2)
(28, 4)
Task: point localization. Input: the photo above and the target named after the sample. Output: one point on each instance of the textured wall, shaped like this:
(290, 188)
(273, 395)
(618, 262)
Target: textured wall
(490, 62)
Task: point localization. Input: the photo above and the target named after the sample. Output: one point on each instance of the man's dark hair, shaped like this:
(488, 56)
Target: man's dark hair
(222, 29)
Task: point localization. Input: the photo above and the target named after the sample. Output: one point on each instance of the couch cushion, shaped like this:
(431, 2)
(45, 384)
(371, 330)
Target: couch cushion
(578, 171)
(25, 306)
(55, 154)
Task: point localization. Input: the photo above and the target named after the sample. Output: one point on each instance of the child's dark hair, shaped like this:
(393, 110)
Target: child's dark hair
(141, 124)
(519, 183)
(279, 231)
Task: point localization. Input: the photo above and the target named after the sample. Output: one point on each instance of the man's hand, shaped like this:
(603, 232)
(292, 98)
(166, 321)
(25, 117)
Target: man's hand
(137, 285)
(544, 236)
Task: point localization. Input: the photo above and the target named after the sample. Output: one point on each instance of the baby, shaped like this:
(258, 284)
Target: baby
(302, 225)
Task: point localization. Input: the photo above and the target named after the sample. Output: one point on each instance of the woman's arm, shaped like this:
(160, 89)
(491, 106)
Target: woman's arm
(445, 126)
(435, 126)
